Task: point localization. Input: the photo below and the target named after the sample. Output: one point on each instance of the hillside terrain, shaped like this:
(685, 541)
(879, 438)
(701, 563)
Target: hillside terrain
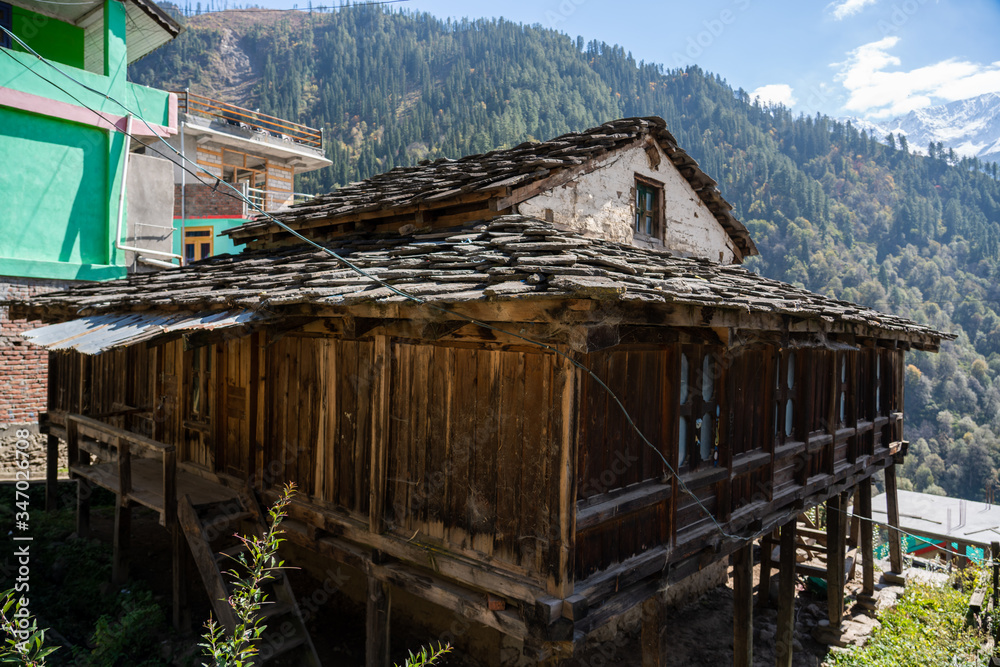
(830, 207)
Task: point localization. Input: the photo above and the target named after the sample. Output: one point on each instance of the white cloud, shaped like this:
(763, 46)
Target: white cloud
(874, 91)
(844, 8)
(775, 93)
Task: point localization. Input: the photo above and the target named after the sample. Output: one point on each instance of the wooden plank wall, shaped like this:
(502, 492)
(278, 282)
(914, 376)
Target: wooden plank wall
(474, 438)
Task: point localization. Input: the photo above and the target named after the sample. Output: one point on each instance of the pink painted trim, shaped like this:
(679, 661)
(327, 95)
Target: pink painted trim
(212, 217)
(44, 106)
(172, 112)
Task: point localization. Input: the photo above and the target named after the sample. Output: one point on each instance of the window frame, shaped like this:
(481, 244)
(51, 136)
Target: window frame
(644, 182)
(696, 406)
(7, 21)
(196, 239)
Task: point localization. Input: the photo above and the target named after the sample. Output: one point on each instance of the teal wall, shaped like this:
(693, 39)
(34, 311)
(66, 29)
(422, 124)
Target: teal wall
(222, 244)
(55, 40)
(61, 177)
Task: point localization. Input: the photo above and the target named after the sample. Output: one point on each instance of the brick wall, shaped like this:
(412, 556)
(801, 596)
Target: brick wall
(203, 201)
(23, 367)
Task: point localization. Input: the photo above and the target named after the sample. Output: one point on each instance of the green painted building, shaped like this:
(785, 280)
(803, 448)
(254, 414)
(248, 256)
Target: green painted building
(79, 202)
(63, 154)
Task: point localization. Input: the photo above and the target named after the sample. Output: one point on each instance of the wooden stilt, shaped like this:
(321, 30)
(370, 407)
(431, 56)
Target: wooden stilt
(652, 628)
(786, 596)
(179, 570)
(51, 473)
(835, 561)
(377, 624)
(864, 509)
(853, 539)
(892, 506)
(764, 583)
(122, 540)
(83, 493)
(743, 606)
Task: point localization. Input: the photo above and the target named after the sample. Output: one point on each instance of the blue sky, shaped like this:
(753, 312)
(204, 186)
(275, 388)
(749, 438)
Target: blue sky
(872, 58)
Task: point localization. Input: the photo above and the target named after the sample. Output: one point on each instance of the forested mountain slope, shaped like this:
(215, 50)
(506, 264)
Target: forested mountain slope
(829, 207)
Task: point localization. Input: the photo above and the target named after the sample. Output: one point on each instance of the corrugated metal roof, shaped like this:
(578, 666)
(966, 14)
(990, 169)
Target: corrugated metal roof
(100, 333)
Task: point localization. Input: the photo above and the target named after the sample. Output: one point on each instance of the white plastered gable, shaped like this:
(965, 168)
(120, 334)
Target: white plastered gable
(601, 203)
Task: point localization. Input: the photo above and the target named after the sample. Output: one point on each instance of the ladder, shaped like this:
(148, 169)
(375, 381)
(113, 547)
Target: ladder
(209, 530)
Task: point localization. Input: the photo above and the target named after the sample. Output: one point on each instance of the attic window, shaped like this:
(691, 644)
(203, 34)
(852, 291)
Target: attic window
(7, 21)
(648, 207)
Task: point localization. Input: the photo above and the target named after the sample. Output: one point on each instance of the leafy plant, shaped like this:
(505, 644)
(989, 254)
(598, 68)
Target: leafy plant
(426, 656)
(127, 638)
(23, 641)
(257, 565)
(926, 628)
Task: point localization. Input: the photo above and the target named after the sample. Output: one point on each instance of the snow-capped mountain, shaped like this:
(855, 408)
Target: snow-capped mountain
(971, 127)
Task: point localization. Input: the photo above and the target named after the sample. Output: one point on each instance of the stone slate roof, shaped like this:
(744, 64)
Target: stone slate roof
(508, 258)
(494, 172)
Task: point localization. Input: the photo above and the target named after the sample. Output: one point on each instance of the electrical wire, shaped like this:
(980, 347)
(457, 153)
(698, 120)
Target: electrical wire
(375, 279)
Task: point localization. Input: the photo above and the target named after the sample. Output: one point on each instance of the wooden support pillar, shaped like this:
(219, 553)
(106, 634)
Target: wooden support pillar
(892, 507)
(764, 583)
(743, 606)
(83, 493)
(652, 629)
(786, 596)
(864, 510)
(122, 542)
(180, 570)
(377, 623)
(853, 540)
(835, 521)
(52, 473)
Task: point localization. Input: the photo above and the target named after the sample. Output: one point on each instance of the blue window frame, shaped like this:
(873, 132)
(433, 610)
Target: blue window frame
(7, 21)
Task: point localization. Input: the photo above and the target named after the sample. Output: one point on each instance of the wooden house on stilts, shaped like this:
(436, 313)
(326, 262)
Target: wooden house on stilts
(532, 386)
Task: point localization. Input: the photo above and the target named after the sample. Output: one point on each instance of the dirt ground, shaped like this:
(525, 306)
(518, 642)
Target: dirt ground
(700, 632)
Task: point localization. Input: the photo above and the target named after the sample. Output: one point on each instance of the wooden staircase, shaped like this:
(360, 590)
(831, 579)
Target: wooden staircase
(209, 530)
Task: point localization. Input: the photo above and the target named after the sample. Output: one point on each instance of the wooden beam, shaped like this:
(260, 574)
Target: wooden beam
(51, 473)
(179, 574)
(377, 623)
(565, 392)
(122, 542)
(652, 630)
(743, 606)
(835, 561)
(786, 597)
(646, 495)
(864, 510)
(764, 583)
(892, 505)
(379, 470)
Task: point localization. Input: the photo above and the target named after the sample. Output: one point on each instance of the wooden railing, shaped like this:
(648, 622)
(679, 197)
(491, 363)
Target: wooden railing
(124, 442)
(188, 102)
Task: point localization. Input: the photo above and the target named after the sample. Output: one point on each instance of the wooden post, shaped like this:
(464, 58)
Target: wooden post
(652, 627)
(853, 540)
(743, 606)
(52, 473)
(786, 596)
(892, 506)
(179, 570)
(377, 623)
(83, 492)
(169, 488)
(864, 509)
(764, 584)
(835, 561)
(379, 467)
(122, 540)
